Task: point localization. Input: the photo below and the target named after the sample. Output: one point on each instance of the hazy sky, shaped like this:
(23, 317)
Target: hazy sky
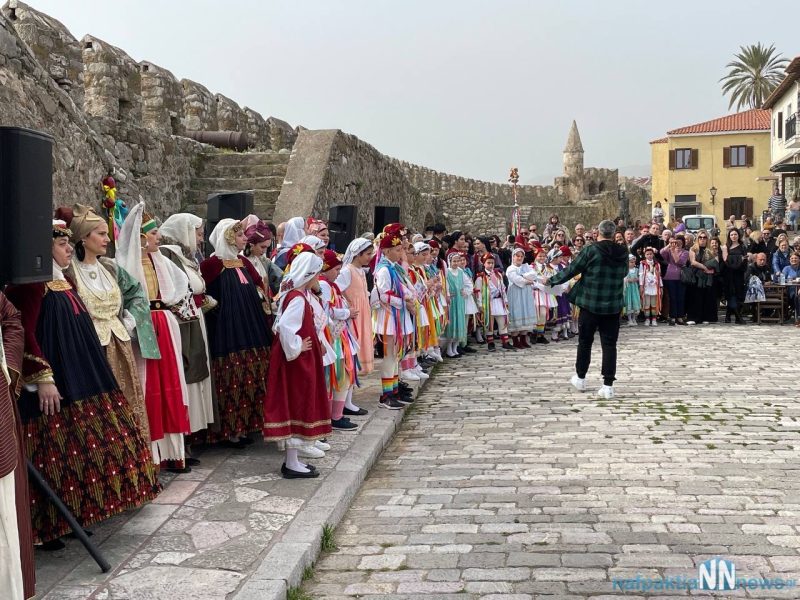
(462, 86)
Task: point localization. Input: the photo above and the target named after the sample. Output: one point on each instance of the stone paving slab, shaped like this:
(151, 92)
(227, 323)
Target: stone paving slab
(504, 482)
(232, 528)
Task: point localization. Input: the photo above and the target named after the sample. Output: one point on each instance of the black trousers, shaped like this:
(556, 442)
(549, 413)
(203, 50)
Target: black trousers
(608, 326)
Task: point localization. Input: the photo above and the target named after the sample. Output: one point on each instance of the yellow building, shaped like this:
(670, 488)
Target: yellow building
(719, 167)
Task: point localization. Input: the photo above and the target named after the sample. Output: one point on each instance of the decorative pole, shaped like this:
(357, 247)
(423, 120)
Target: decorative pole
(516, 224)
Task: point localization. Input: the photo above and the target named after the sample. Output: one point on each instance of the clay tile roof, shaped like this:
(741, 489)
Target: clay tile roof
(663, 140)
(756, 119)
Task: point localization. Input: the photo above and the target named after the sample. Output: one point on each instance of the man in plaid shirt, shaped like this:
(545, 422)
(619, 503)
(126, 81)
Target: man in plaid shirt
(602, 267)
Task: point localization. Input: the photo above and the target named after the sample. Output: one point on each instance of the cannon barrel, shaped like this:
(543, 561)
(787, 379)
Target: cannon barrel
(233, 140)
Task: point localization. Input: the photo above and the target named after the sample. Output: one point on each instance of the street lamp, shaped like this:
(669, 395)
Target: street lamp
(623, 202)
(713, 192)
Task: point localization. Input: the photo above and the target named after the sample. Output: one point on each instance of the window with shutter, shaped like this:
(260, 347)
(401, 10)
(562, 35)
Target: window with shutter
(726, 157)
(780, 125)
(748, 207)
(695, 162)
(738, 156)
(749, 156)
(726, 207)
(672, 160)
(683, 158)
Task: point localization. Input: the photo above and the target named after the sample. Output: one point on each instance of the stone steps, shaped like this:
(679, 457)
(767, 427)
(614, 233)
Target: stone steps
(212, 169)
(215, 184)
(259, 172)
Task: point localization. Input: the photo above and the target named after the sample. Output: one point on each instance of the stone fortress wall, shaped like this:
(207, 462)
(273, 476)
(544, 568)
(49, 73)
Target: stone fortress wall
(111, 114)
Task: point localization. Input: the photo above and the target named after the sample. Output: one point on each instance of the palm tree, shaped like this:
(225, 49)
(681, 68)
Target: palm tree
(753, 76)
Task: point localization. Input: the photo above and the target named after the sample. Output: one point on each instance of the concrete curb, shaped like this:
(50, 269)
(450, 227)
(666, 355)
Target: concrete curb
(300, 545)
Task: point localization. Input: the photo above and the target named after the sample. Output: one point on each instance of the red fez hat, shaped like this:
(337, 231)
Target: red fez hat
(330, 260)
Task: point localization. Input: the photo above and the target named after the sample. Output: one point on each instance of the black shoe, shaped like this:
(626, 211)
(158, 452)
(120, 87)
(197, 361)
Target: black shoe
(291, 474)
(343, 424)
(404, 386)
(355, 413)
(52, 545)
(508, 346)
(672, 322)
(404, 398)
(174, 467)
(491, 347)
(390, 403)
(542, 340)
(247, 440)
(192, 461)
(235, 445)
(467, 350)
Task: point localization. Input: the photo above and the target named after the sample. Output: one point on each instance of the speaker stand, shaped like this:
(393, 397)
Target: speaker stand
(79, 532)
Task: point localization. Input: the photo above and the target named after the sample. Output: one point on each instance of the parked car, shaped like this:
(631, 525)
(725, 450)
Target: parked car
(695, 223)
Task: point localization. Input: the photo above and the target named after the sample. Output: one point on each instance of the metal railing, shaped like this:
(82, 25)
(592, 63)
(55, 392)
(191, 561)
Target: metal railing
(790, 129)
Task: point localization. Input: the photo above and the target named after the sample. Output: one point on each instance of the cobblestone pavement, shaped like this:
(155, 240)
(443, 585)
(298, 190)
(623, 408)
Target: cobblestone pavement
(210, 530)
(505, 483)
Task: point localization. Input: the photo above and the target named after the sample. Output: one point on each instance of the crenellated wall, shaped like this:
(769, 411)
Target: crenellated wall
(133, 114)
(112, 114)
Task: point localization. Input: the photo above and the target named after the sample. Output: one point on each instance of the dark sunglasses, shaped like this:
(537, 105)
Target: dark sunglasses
(702, 237)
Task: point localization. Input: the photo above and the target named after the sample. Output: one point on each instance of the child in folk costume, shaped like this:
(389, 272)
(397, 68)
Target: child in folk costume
(424, 317)
(521, 308)
(297, 408)
(633, 299)
(410, 369)
(459, 287)
(543, 296)
(470, 305)
(492, 297)
(391, 316)
(436, 274)
(164, 379)
(342, 375)
(352, 281)
(558, 257)
(425, 257)
(650, 285)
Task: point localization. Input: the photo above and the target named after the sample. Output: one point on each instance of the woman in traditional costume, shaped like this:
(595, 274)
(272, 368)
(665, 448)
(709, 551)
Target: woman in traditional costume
(163, 380)
(179, 236)
(78, 428)
(352, 281)
(239, 338)
(259, 239)
(293, 232)
(297, 414)
(116, 302)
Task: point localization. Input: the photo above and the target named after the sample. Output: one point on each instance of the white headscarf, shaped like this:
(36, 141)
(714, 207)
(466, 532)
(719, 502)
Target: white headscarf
(356, 247)
(314, 242)
(181, 227)
(420, 247)
(129, 243)
(293, 232)
(173, 283)
(222, 249)
(304, 266)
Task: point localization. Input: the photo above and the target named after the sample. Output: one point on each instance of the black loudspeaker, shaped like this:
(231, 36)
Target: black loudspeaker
(385, 215)
(227, 205)
(342, 221)
(26, 205)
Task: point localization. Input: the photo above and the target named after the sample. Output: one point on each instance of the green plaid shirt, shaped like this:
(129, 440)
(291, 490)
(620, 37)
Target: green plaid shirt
(602, 267)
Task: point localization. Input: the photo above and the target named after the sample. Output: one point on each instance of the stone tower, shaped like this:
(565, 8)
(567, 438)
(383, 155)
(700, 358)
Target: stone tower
(573, 163)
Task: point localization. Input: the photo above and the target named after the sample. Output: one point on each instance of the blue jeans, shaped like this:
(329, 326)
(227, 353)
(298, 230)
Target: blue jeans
(677, 295)
(794, 216)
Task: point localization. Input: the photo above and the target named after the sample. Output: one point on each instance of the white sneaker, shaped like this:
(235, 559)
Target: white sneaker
(310, 451)
(691, 323)
(653, 323)
(409, 375)
(607, 392)
(420, 373)
(631, 323)
(646, 323)
(320, 445)
(578, 383)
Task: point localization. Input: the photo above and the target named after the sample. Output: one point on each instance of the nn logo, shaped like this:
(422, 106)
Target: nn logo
(717, 574)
